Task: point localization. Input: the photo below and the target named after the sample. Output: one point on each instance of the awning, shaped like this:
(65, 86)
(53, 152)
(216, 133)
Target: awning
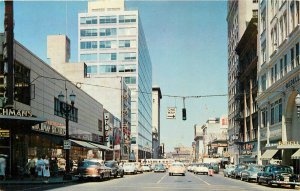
(296, 155)
(269, 154)
(102, 147)
(84, 144)
(10, 120)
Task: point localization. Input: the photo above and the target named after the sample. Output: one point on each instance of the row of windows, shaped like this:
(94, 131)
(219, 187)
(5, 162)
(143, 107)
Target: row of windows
(96, 69)
(109, 32)
(108, 19)
(73, 115)
(276, 114)
(124, 56)
(108, 44)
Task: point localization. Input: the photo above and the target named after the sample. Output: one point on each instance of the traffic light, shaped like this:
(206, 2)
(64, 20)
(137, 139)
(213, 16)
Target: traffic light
(183, 114)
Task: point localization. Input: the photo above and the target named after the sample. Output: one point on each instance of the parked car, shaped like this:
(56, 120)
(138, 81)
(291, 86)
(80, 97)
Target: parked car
(177, 168)
(215, 167)
(93, 169)
(130, 168)
(159, 168)
(146, 168)
(139, 167)
(236, 173)
(278, 174)
(116, 170)
(250, 173)
(228, 170)
(201, 169)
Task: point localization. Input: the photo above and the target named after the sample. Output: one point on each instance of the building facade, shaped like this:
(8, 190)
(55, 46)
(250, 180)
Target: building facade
(239, 14)
(278, 74)
(198, 143)
(156, 97)
(34, 126)
(247, 90)
(111, 42)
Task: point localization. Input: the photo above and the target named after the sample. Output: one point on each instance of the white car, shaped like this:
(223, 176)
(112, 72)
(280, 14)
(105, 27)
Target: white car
(130, 168)
(201, 169)
(146, 168)
(177, 168)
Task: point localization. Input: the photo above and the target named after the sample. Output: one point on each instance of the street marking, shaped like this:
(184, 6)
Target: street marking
(161, 178)
(201, 179)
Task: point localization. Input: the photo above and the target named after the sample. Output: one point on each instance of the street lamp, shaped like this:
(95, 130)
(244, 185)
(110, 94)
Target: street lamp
(297, 102)
(65, 109)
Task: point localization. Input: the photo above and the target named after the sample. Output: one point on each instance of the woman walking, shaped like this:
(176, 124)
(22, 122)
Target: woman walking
(40, 164)
(46, 170)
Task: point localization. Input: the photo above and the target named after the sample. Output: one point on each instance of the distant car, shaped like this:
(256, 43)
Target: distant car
(250, 173)
(91, 169)
(139, 167)
(116, 170)
(237, 171)
(130, 168)
(228, 170)
(201, 169)
(159, 168)
(146, 168)
(177, 168)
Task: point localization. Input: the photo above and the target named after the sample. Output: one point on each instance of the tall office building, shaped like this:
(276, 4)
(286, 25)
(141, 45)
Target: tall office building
(156, 97)
(279, 82)
(112, 43)
(239, 14)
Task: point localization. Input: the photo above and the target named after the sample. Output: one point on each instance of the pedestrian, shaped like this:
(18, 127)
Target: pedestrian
(55, 167)
(40, 164)
(2, 166)
(46, 169)
(31, 167)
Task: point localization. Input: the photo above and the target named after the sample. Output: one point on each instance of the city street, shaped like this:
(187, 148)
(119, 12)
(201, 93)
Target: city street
(160, 182)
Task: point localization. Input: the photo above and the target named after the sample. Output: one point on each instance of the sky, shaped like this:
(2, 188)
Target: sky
(187, 42)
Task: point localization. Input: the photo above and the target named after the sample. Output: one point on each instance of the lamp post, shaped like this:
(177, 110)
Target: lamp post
(65, 109)
(297, 103)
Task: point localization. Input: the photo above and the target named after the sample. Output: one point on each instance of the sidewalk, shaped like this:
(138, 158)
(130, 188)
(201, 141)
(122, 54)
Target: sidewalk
(52, 180)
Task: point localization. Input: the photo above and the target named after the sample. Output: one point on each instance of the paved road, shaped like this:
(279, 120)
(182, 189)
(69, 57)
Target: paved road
(162, 182)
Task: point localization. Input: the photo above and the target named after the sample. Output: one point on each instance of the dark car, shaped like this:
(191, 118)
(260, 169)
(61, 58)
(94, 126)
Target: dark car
(250, 173)
(159, 168)
(278, 174)
(116, 169)
(93, 169)
(236, 173)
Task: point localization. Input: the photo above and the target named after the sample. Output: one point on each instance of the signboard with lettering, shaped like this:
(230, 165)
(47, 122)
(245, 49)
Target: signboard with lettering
(106, 127)
(67, 144)
(171, 113)
(51, 127)
(15, 112)
(4, 133)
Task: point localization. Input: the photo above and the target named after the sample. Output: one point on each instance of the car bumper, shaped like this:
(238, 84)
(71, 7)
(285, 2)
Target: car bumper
(284, 182)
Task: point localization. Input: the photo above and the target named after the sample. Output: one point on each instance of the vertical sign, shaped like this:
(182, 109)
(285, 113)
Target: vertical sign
(106, 127)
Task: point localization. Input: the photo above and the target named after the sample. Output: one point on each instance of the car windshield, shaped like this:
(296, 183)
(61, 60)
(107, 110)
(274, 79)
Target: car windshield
(282, 169)
(109, 164)
(177, 164)
(88, 163)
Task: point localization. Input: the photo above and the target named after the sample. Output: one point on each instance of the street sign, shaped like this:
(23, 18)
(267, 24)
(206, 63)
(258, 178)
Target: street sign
(67, 144)
(171, 113)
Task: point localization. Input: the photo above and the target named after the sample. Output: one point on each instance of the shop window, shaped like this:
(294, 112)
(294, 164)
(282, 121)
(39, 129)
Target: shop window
(22, 83)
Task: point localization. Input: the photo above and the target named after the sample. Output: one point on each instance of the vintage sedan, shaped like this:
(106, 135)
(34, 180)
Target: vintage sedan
(250, 173)
(146, 168)
(93, 169)
(159, 168)
(130, 168)
(228, 170)
(279, 175)
(201, 169)
(177, 168)
(236, 173)
(116, 169)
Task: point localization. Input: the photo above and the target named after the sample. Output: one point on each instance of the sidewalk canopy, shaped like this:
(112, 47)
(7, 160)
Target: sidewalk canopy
(296, 155)
(102, 147)
(269, 154)
(12, 120)
(84, 144)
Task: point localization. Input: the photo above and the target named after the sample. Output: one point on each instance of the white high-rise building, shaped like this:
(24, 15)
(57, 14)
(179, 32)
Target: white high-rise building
(239, 13)
(111, 42)
(156, 97)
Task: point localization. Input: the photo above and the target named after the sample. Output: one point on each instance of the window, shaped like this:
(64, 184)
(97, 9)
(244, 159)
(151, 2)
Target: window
(264, 117)
(272, 75)
(108, 44)
(130, 80)
(127, 18)
(108, 19)
(107, 56)
(127, 31)
(127, 56)
(22, 91)
(127, 68)
(276, 112)
(88, 32)
(108, 32)
(263, 82)
(281, 68)
(88, 45)
(127, 43)
(275, 72)
(285, 64)
(297, 54)
(100, 126)
(88, 57)
(263, 52)
(92, 69)
(73, 115)
(88, 20)
(107, 68)
(292, 58)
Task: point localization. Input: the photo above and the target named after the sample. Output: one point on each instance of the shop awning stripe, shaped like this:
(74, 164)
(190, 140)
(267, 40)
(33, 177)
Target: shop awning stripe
(84, 144)
(296, 155)
(102, 147)
(269, 154)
